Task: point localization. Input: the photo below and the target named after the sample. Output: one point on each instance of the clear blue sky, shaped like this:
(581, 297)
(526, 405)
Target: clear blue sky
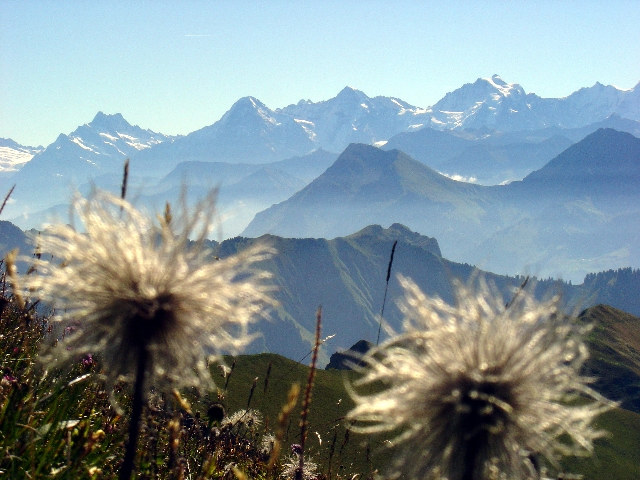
(177, 66)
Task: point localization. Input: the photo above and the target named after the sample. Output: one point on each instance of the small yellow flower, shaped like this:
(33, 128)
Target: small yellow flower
(94, 471)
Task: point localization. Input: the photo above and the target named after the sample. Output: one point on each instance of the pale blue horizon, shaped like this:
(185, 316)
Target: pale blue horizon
(175, 67)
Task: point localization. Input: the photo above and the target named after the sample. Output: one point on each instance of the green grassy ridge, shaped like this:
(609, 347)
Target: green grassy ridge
(614, 347)
(616, 457)
(330, 403)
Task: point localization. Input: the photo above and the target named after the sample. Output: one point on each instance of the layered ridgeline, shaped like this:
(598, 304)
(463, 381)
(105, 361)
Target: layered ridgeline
(579, 213)
(489, 132)
(489, 115)
(92, 154)
(346, 275)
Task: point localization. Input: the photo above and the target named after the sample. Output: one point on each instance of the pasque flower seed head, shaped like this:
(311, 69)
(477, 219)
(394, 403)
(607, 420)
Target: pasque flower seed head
(130, 283)
(477, 388)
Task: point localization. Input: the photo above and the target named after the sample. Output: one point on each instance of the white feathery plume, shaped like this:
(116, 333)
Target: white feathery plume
(476, 389)
(131, 283)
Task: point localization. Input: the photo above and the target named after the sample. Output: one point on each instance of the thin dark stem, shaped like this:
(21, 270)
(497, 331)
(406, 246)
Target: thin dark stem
(6, 199)
(518, 292)
(125, 179)
(472, 468)
(136, 415)
(307, 393)
(469, 472)
(386, 287)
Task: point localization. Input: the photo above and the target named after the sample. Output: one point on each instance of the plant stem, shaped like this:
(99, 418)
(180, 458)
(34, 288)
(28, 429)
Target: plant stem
(472, 470)
(307, 394)
(386, 287)
(136, 415)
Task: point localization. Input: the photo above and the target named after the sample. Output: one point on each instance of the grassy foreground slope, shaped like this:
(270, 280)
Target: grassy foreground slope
(61, 424)
(330, 443)
(616, 457)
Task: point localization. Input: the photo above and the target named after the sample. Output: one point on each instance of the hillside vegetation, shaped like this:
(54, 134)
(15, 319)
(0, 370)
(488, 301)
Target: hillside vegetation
(63, 425)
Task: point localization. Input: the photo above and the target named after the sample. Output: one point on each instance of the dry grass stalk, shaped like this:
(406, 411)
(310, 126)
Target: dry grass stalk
(386, 287)
(125, 180)
(267, 377)
(253, 389)
(283, 419)
(167, 217)
(6, 198)
(306, 403)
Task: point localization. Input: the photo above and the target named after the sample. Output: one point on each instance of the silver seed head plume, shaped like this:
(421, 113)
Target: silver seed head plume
(131, 282)
(243, 421)
(291, 469)
(477, 389)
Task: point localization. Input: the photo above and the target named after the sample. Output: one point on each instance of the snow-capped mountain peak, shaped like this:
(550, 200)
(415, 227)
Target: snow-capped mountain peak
(494, 103)
(105, 122)
(112, 136)
(249, 107)
(94, 148)
(503, 88)
(350, 93)
(13, 155)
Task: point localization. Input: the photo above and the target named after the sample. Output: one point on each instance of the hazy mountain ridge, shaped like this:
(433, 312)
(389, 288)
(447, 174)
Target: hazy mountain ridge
(92, 150)
(290, 140)
(346, 275)
(559, 226)
(492, 157)
(479, 159)
(607, 155)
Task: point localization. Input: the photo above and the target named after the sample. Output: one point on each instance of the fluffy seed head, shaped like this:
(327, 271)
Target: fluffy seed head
(474, 389)
(133, 283)
(291, 469)
(267, 444)
(243, 421)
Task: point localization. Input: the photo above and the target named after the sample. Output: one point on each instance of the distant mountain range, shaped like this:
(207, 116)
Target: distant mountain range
(90, 153)
(493, 103)
(580, 211)
(250, 132)
(265, 161)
